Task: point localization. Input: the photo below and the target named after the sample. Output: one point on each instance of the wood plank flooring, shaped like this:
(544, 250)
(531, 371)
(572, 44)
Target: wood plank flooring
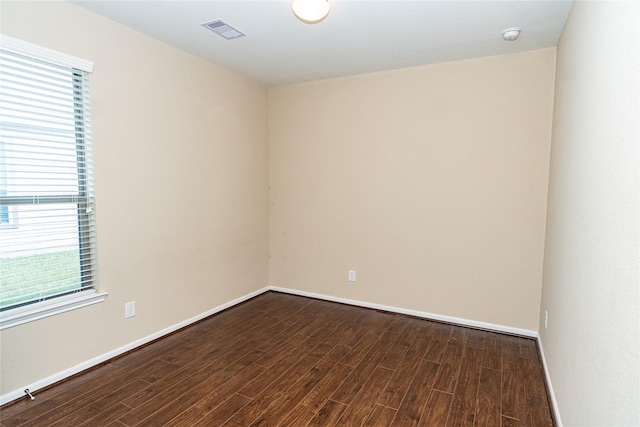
(284, 360)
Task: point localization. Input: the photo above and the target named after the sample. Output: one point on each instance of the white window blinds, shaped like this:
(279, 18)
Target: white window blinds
(47, 232)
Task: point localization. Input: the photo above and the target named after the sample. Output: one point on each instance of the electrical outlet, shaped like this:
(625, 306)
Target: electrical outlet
(546, 318)
(129, 309)
(352, 275)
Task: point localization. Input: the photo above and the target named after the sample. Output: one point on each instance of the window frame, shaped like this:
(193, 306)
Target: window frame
(88, 294)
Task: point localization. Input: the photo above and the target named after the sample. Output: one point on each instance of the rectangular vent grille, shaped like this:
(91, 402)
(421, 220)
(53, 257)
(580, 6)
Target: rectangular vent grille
(223, 29)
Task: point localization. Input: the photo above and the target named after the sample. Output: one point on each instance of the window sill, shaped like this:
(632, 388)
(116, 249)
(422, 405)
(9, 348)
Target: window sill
(18, 316)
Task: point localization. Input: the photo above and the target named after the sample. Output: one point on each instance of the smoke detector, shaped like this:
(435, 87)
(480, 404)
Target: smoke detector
(511, 34)
(223, 29)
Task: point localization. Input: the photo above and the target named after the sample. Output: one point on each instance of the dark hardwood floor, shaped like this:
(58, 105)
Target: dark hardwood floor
(283, 360)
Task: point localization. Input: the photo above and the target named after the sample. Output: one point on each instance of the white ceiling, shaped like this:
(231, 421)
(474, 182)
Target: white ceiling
(358, 36)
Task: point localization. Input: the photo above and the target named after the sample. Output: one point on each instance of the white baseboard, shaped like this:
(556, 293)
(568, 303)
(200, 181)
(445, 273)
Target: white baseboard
(547, 377)
(33, 387)
(425, 315)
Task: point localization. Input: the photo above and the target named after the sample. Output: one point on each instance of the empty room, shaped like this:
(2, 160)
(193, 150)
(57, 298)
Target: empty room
(372, 213)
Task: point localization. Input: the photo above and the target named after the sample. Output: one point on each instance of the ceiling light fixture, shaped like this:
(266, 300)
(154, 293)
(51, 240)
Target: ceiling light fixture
(511, 34)
(310, 11)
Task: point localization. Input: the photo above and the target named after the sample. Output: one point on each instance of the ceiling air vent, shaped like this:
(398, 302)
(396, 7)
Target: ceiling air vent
(223, 29)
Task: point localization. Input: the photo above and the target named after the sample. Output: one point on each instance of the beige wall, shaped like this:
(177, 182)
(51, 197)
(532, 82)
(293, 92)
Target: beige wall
(430, 182)
(591, 279)
(181, 174)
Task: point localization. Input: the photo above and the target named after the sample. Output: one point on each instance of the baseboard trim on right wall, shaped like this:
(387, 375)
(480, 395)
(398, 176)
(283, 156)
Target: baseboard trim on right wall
(430, 316)
(552, 397)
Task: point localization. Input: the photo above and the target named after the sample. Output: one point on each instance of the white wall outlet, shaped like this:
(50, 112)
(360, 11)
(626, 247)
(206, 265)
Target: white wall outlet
(546, 318)
(352, 275)
(129, 309)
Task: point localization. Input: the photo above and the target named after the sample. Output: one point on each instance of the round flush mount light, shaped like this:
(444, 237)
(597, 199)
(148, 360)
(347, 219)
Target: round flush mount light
(310, 11)
(511, 34)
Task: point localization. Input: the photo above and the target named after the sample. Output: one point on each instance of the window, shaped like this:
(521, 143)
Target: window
(47, 237)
